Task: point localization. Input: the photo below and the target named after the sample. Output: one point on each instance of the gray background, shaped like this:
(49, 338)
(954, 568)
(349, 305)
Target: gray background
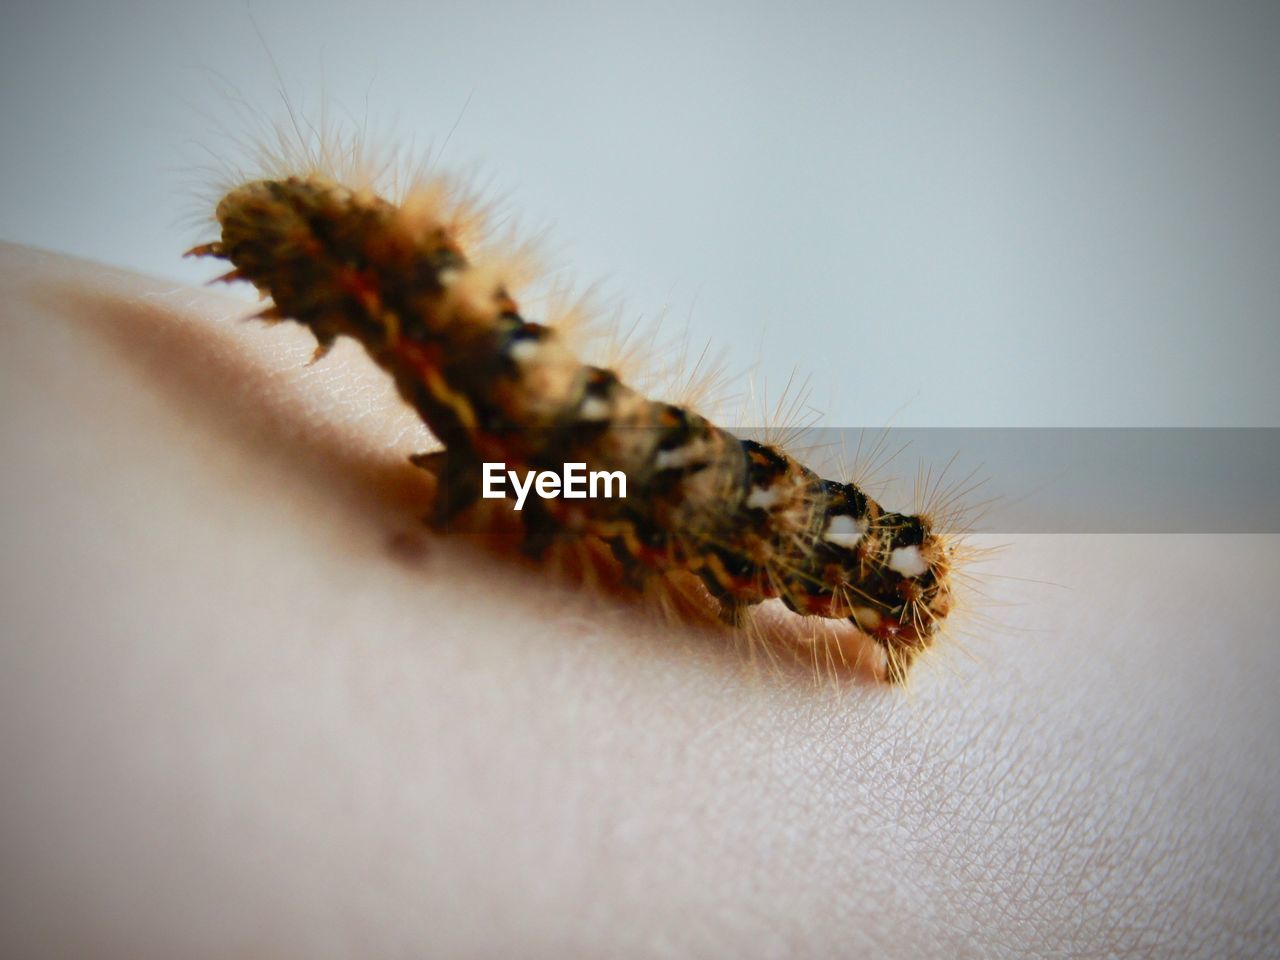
(947, 214)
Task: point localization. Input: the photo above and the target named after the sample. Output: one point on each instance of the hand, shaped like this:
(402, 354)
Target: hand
(249, 707)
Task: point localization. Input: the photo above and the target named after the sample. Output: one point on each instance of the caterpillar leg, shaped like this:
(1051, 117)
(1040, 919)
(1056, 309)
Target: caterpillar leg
(324, 343)
(432, 462)
(733, 613)
(457, 484)
(635, 574)
(540, 530)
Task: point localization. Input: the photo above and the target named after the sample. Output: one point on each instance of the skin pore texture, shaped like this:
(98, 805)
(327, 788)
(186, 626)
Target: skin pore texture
(249, 707)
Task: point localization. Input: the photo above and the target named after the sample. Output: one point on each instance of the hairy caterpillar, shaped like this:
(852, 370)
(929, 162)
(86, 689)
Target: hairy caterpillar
(746, 518)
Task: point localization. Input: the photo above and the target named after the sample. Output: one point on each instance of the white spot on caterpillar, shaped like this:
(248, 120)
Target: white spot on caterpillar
(907, 562)
(844, 531)
(522, 351)
(674, 459)
(593, 408)
(449, 277)
(761, 498)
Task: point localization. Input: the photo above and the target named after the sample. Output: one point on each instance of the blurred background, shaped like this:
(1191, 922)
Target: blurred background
(946, 214)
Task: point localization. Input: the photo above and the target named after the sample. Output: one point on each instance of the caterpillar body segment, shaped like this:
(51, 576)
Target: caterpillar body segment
(749, 520)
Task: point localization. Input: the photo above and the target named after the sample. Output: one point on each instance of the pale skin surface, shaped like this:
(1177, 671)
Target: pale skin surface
(247, 709)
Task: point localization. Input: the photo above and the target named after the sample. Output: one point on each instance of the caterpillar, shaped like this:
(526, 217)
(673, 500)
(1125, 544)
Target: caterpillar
(746, 518)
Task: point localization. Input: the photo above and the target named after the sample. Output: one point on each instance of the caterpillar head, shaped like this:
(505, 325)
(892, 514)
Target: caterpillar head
(888, 573)
(904, 602)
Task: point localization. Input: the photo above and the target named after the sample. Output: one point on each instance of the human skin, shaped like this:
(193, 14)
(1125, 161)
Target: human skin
(249, 707)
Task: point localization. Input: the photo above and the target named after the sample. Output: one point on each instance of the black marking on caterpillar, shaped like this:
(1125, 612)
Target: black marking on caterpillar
(746, 518)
